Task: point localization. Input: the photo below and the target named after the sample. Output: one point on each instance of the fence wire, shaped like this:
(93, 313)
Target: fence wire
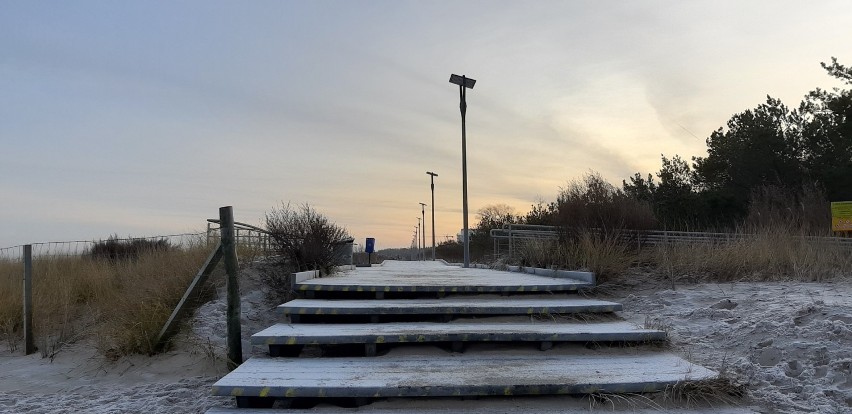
(83, 247)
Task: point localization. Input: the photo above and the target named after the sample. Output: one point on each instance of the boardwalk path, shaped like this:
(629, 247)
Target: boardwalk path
(395, 305)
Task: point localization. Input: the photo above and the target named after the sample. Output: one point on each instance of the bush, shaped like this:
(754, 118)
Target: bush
(450, 251)
(304, 238)
(593, 203)
(114, 249)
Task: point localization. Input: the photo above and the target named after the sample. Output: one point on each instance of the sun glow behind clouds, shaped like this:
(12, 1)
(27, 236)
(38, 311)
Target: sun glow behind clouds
(144, 118)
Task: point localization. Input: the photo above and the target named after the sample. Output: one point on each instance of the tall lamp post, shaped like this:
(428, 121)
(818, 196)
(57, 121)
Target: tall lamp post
(432, 181)
(464, 83)
(415, 241)
(418, 238)
(423, 214)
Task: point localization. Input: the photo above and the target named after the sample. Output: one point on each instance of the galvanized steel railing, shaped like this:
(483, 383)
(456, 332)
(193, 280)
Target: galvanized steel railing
(507, 238)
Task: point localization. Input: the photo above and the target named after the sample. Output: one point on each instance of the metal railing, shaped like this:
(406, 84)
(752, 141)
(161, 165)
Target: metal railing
(245, 235)
(509, 237)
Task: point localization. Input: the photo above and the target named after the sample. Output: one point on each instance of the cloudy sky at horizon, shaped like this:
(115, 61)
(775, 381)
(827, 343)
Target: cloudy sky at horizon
(143, 118)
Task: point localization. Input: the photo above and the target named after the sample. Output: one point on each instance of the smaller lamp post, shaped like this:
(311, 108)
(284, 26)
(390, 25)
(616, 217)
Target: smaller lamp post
(423, 214)
(432, 182)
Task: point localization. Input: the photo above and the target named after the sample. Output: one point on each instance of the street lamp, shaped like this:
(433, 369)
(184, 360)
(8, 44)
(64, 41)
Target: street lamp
(423, 214)
(416, 241)
(418, 238)
(464, 83)
(432, 180)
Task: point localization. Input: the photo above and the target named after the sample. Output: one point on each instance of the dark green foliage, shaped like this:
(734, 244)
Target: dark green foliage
(769, 146)
(114, 249)
(760, 147)
(451, 251)
(303, 238)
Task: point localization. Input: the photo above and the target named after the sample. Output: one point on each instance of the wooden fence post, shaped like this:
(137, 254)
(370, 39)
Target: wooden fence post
(29, 343)
(229, 251)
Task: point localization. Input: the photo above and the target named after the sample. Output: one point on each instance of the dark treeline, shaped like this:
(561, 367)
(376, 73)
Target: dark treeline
(769, 163)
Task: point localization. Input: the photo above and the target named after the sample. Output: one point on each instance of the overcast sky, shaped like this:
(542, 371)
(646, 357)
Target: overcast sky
(143, 118)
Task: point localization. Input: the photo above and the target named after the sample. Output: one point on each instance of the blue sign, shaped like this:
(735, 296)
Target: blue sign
(371, 245)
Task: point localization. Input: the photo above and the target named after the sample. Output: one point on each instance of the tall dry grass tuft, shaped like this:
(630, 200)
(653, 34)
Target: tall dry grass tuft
(603, 254)
(11, 302)
(145, 292)
(124, 302)
(768, 255)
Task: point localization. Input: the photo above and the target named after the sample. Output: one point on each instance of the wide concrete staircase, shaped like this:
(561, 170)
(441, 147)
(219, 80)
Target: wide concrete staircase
(360, 337)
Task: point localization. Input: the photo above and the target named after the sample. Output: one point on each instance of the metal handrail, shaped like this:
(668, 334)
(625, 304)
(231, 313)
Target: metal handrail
(648, 237)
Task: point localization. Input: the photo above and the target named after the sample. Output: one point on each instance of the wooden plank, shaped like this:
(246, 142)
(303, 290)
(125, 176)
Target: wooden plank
(447, 306)
(191, 292)
(437, 277)
(565, 405)
(418, 332)
(463, 375)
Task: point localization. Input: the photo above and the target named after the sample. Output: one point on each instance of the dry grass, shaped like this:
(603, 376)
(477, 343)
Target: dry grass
(768, 255)
(711, 392)
(756, 255)
(124, 303)
(603, 255)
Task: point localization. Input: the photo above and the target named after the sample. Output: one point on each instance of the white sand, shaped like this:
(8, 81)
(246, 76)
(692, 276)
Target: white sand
(792, 342)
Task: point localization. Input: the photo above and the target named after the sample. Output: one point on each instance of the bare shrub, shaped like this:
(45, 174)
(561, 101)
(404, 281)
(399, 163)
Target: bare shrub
(277, 281)
(304, 238)
(115, 248)
(593, 203)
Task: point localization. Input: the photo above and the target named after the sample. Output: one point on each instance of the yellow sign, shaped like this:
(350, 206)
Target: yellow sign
(841, 216)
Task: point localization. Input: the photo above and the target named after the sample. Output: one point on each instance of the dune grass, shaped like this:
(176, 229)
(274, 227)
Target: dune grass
(122, 303)
(754, 255)
(606, 256)
(762, 255)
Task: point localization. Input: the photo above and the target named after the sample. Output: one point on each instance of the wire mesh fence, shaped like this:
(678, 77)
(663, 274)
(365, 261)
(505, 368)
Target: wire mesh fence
(114, 279)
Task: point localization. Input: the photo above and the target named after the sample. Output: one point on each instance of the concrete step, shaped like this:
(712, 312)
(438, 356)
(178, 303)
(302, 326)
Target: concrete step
(260, 380)
(288, 339)
(448, 307)
(503, 406)
(437, 279)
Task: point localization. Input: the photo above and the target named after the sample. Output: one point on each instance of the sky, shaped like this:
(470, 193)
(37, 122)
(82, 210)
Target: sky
(143, 118)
